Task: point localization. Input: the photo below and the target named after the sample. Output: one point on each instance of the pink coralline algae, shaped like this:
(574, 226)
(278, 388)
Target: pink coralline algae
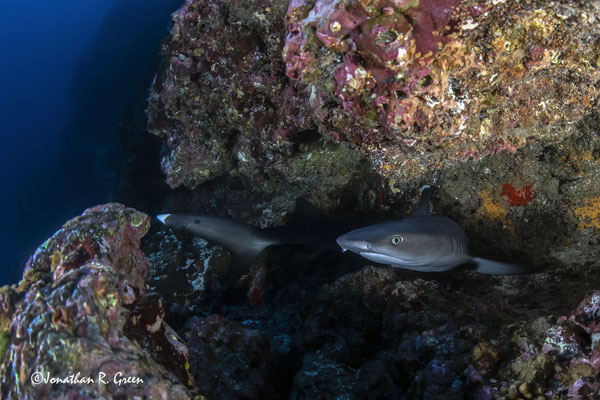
(221, 90)
(80, 317)
(423, 84)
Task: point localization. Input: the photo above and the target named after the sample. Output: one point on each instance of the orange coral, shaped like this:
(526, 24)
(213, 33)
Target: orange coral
(491, 209)
(589, 214)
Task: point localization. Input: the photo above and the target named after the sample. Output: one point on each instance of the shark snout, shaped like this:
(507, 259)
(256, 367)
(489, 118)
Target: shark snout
(356, 246)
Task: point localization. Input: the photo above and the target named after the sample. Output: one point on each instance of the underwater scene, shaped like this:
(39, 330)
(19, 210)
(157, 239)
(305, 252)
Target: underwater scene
(300, 199)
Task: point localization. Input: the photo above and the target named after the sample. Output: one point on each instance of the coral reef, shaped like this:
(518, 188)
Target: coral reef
(324, 328)
(423, 84)
(80, 325)
(544, 359)
(261, 102)
(372, 333)
(337, 330)
(410, 85)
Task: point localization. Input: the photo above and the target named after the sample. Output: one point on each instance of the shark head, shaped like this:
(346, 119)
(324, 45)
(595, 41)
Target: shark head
(394, 243)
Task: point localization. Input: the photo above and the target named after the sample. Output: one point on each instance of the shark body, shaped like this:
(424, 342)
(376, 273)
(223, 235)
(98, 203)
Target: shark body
(309, 229)
(420, 242)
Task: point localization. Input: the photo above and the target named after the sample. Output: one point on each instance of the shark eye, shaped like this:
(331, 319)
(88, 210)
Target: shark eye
(397, 239)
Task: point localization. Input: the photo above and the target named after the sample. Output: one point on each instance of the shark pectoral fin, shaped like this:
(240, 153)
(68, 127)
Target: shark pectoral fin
(490, 267)
(240, 264)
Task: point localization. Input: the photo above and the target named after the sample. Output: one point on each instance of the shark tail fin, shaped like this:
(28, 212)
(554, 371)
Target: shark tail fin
(243, 242)
(490, 267)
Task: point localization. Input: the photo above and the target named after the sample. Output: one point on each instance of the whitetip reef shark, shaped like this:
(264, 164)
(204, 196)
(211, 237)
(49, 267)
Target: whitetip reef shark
(420, 242)
(245, 242)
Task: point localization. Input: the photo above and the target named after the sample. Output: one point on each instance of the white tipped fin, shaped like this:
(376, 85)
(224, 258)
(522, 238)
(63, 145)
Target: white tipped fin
(162, 218)
(499, 268)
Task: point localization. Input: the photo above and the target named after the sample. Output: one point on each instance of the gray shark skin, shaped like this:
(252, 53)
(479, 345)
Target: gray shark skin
(245, 242)
(420, 242)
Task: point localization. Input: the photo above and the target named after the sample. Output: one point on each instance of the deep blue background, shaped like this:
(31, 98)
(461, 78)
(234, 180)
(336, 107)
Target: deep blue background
(69, 71)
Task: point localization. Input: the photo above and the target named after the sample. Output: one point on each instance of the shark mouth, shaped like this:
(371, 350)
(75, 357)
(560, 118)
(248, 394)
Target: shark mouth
(385, 259)
(391, 260)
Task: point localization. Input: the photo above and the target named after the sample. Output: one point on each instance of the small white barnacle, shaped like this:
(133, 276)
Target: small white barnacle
(335, 26)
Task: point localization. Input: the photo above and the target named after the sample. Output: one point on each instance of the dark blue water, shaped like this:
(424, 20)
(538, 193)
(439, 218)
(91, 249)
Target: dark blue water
(69, 73)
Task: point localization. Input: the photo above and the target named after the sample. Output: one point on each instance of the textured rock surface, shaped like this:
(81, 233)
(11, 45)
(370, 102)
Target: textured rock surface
(229, 361)
(422, 84)
(223, 104)
(548, 358)
(243, 107)
(81, 309)
(220, 89)
(411, 85)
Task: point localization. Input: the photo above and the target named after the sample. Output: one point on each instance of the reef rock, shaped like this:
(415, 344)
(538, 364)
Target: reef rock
(410, 85)
(80, 324)
(423, 84)
(223, 104)
(545, 358)
(229, 360)
(220, 92)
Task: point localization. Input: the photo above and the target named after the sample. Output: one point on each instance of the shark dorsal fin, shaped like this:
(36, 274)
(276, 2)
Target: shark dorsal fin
(422, 209)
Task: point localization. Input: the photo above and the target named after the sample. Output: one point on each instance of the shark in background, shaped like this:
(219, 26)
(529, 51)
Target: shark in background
(420, 242)
(308, 228)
